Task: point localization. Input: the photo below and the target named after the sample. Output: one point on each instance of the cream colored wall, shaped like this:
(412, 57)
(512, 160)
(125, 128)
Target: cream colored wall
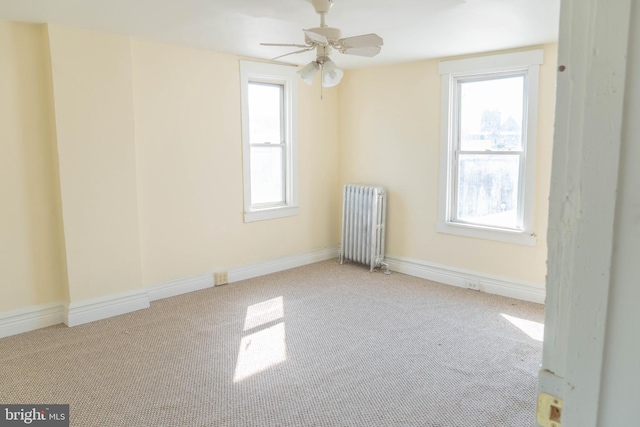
(189, 152)
(93, 99)
(390, 135)
(30, 240)
(146, 140)
(98, 192)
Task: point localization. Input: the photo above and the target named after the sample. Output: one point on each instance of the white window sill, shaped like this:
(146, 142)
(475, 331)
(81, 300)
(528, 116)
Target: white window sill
(271, 213)
(488, 233)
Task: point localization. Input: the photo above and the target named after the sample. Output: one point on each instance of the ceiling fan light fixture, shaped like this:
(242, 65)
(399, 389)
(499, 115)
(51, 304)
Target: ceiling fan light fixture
(331, 74)
(309, 71)
(324, 40)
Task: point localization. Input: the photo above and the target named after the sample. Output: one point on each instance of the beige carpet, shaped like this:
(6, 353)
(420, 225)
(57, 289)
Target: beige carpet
(320, 345)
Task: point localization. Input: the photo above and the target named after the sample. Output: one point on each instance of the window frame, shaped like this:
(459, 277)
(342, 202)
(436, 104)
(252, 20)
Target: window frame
(498, 66)
(260, 72)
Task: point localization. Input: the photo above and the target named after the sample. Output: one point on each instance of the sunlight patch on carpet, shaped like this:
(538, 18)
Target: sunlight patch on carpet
(266, 347)
(263, 312)
(535, 330)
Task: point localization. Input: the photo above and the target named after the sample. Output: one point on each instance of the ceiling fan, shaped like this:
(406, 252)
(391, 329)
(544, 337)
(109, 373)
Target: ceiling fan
(324, 39)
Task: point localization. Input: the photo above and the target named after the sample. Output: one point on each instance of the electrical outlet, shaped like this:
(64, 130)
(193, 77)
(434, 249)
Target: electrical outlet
(474, 286)
(221, 278)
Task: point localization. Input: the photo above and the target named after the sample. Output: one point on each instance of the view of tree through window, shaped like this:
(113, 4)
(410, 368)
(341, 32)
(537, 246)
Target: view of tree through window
(489, 151)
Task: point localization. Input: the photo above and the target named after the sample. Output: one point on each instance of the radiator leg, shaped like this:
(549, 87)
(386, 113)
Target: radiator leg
(386, 267)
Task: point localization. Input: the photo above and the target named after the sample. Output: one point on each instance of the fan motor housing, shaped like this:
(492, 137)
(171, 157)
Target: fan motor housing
(332, 34)
(322, 6)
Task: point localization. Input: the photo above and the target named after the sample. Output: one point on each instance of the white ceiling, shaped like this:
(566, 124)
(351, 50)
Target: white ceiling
(412, 29)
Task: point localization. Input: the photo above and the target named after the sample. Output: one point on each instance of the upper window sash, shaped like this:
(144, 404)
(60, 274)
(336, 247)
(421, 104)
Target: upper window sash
(282, 113)
(459, 81)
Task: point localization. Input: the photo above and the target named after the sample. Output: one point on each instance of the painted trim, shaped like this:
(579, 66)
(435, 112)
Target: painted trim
(491, 63)
(280, 264)
(179, 287)
(459, 277)
(78, 313)
(488, 233)
(30, 318)
(527, 62)
(271, 213)
(586, 176)
(251, 71)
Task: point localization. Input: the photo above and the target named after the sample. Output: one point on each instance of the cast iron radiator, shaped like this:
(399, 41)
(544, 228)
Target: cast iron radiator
(364, 210)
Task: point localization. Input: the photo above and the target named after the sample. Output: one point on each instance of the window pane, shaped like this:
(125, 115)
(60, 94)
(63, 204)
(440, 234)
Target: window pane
(265, 113)
(488, 189)
(491, 114)
(267, 175)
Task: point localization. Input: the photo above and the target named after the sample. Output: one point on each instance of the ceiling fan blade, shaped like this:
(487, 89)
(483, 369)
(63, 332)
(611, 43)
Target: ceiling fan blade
(364, 40)
(362, 51)
(293, 53)
(284, 44)
(316, 38)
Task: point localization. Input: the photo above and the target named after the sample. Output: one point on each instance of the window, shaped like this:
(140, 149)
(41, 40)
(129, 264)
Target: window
(487, 165)
(269, 140)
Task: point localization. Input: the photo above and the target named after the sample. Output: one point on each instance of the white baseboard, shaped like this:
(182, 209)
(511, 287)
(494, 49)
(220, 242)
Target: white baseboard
(458, 277)
(180, 286)
(78, 313)
(30, 318)
(113, 305)
(81, 312)
(280, 264)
